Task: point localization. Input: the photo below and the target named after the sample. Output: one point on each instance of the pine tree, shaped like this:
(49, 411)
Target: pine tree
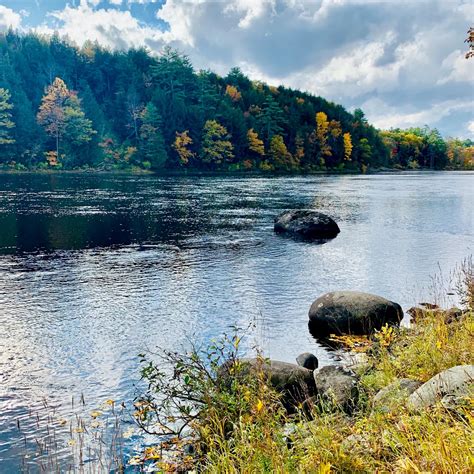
(6, 122)
(270, 119)
(153, 144)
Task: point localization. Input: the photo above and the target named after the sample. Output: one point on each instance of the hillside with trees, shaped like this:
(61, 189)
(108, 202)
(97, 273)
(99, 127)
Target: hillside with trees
(64, 107)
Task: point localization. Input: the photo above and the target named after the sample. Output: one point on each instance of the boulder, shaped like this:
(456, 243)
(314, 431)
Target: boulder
(306, 224)
(456, 381)
(351, 312)
(295, 383)
(448, 315)
(307, 360)
(337, 386)
(395, 393)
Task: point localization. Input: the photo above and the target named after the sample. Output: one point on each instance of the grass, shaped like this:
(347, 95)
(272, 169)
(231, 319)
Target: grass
(371, 440)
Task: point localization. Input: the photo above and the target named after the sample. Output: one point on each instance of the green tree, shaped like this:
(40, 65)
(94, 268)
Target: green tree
(270, 119)
(78, 129)
(216, 145)
(153, 144)
(6, 122)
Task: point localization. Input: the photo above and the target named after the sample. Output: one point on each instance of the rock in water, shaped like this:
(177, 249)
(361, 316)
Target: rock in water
(351, 312)
(306, 224)
(307, 360)
(456, 381)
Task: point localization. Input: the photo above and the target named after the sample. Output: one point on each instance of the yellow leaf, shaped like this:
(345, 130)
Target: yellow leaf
(259, 406)
(95, 414)
(325, 468)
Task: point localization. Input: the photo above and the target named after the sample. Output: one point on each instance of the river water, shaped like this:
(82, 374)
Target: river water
(95, 269)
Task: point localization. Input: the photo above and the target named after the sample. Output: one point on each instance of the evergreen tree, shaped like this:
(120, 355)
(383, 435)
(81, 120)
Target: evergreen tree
(6, 122)
(153, 144)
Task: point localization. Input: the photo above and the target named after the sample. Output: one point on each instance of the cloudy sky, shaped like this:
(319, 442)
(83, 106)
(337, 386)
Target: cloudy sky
(402, 62)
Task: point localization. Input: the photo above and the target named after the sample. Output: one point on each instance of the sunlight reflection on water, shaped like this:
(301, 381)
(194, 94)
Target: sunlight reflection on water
(95, 269)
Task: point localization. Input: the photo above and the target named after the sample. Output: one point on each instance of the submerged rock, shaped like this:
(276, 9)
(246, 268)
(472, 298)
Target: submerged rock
(337, 386)
(457, 381)
(306, 224)
(307, 360)
(351, 312)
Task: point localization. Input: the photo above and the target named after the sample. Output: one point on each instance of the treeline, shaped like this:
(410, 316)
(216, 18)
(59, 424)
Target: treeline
(68, 107)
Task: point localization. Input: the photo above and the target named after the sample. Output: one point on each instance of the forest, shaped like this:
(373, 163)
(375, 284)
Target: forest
(65, 107)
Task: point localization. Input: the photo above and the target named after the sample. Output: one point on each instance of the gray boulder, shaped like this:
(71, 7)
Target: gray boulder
(458, 381)
(307, 360)
(295, 383)
(448, 315)
(337, 386)
(351, 312)
(395, 393)
(306, 224)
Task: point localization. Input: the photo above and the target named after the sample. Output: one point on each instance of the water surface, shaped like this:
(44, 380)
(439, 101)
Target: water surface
(96, 268)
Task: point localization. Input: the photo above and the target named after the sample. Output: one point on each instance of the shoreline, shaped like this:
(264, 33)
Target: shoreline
(201, 173)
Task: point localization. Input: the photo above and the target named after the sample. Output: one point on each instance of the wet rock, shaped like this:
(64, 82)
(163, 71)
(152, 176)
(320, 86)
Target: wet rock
(306, 224)
(337, 386)
(458, 381)
(307, 360)
(351, 312)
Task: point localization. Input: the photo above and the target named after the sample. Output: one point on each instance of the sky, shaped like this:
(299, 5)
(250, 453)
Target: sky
(402, 62)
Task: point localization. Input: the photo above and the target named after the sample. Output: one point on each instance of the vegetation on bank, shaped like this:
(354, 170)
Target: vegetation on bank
(241, 425)
(63, 107)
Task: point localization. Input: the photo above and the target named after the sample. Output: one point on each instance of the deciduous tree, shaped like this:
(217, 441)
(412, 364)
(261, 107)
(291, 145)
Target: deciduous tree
(216, 145)
(181, 145)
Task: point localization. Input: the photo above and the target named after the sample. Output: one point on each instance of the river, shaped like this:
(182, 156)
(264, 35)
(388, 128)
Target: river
(95, 269)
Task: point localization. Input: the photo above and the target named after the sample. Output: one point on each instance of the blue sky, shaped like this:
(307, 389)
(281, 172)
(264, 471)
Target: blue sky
(402, 62)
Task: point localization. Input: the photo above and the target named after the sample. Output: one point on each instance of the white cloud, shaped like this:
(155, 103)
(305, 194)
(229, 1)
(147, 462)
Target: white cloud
(250, 10)
(9, 18)
(456, 68)
(385, 116)
(470, 126)
(110, 27)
